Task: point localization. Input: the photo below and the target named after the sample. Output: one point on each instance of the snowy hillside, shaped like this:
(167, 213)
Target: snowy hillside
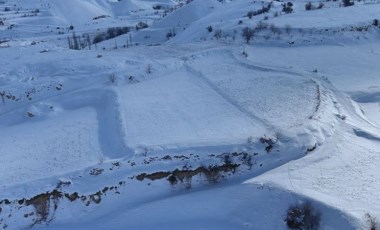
(203, 114)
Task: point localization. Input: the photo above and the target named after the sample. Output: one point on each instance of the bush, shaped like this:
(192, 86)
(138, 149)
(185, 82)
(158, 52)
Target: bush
(157, 7)
(303, 217)
(308, 6)
(116, 31)
(98, 38)
(171, 34)
(347, 3)
(375, 22)
(111, 32)
(264, 9)
(172, 179)
(121, 30)
(141, 25)
(287, 8)
(250, 14)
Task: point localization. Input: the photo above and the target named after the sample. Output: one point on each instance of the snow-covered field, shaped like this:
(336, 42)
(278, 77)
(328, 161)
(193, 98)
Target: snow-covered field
(184, 124)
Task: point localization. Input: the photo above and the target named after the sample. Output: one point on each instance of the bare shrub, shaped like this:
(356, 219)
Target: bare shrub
(170, 34)
(288, 29)
(320, 5)
(372, 222)
(148, 69)
(269, 142)
(218, 34)
(245, 53)
(303, 217)
(96, 171)
(260, 26)
(112, 78)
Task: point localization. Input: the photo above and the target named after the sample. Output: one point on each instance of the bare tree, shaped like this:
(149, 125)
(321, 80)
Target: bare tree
(88, 41)
(247, 34)
(149, 69)
(76, 42)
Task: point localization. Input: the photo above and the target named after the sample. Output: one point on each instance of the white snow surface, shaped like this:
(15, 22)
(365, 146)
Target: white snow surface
(196, 130)
(182, 110)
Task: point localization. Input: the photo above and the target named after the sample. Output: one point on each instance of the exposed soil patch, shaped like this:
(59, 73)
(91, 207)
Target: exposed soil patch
(319, 101)
(42, 208)
(212, 173)
(46, 204)
(269, 142)
(311, 149)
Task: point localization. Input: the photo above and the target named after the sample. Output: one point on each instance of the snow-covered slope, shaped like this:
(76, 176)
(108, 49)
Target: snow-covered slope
(185, 124)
